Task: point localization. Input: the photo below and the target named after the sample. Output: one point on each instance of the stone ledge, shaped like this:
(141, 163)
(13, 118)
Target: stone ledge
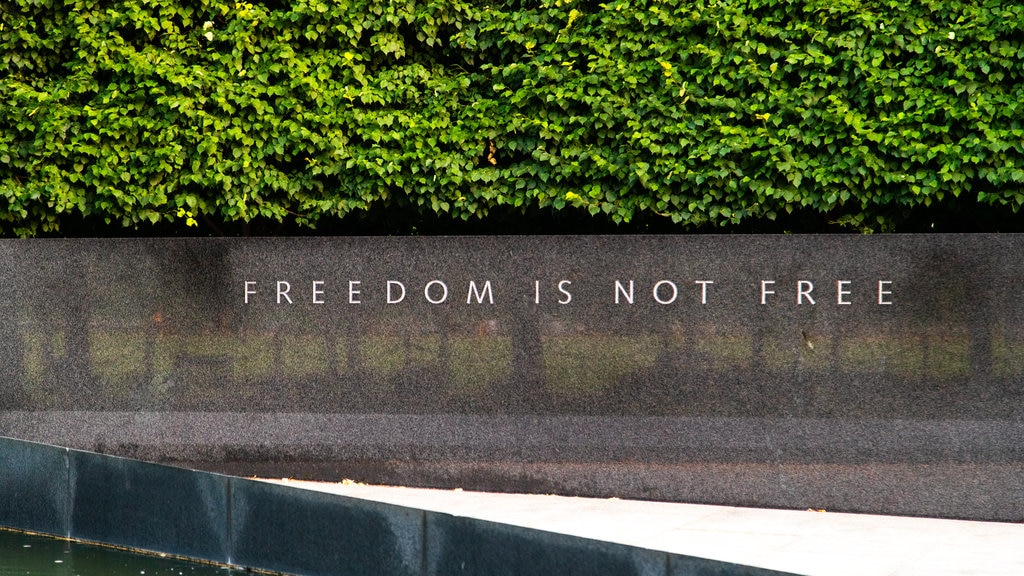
(264, 526)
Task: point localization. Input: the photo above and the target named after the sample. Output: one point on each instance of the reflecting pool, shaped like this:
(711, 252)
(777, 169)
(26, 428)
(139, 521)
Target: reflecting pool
(26, 554)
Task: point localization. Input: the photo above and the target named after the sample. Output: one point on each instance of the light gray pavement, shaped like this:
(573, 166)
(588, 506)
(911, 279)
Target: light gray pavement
(801, 542)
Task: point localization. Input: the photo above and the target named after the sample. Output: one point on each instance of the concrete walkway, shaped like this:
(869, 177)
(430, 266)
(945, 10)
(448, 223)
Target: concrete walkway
(801, 542)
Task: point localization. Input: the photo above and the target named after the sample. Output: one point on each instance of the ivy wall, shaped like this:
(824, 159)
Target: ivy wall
(701, 114)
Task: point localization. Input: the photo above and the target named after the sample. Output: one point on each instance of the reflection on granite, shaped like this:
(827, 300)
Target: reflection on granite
(846, 350)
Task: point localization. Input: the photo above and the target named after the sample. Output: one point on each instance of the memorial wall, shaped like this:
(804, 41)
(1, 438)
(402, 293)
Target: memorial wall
(857, 373)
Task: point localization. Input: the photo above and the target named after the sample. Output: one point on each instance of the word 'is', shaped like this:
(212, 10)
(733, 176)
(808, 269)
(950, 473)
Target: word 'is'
(623, 292)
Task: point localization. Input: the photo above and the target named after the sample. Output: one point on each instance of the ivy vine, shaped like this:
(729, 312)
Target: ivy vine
(706, 113)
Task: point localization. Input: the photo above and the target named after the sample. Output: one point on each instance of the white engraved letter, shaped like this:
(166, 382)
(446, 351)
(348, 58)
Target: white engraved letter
(282, 291)
(804, 288)
(620, 289)
(353, 294)
(882, 292)
(670, 284)
(401, 295)
(563, 287)
(444, 291)
(765, 291)
(704, 290)
(318, 291)
(473, 291)
(840, 284)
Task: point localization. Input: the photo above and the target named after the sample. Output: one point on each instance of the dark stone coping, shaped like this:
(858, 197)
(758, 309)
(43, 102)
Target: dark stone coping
(229, 520)
(185, 436)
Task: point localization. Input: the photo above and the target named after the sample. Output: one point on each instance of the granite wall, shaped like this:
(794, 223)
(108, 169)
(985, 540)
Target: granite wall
(854, 373)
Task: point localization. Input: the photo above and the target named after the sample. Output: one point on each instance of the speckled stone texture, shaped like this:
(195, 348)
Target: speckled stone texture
(862, 373)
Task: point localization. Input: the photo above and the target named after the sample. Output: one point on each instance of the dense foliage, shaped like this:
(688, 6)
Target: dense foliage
(701, 113)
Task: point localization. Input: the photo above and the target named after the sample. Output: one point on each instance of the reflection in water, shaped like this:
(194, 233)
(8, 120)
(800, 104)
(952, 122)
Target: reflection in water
(30, 555)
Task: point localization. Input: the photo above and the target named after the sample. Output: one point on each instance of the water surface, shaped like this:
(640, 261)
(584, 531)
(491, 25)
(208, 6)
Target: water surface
(30, 555)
